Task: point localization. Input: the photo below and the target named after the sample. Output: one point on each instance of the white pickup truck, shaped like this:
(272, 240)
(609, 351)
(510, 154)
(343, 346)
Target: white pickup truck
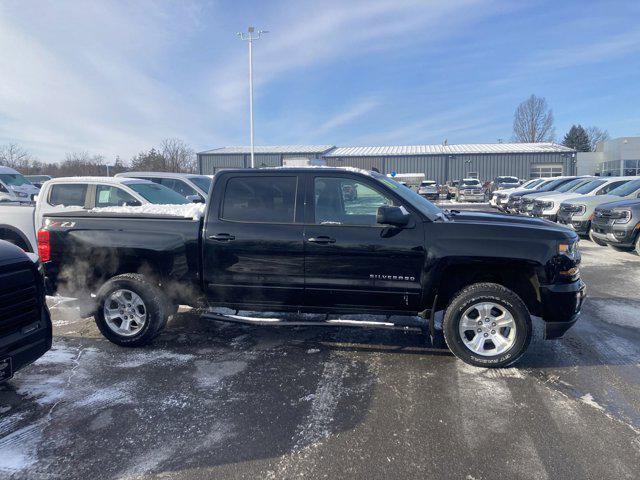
(19, 221)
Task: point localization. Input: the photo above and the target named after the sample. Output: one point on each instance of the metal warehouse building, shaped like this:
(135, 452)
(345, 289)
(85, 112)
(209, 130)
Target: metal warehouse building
(437, 162)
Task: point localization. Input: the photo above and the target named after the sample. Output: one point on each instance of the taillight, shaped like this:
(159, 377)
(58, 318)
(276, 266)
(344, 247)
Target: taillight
(44, 245)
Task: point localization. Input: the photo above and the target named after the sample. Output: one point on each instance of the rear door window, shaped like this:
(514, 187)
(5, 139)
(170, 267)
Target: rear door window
(260, 199)
(69, 195)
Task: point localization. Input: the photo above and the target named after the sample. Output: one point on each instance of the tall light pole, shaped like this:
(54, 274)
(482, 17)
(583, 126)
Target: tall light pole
(249, 37)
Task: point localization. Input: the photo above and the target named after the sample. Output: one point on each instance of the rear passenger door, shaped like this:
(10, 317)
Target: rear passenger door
(253, 253)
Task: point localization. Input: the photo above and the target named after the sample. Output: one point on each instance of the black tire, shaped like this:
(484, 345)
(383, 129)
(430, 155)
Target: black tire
(487, 292)
(637, 247)
(155, 303)
(596, 240)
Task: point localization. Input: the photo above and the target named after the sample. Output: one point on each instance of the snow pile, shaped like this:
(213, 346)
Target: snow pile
(188, 210)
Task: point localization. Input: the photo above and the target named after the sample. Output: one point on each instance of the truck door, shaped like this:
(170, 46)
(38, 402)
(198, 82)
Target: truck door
(253, 250)
(350, 260)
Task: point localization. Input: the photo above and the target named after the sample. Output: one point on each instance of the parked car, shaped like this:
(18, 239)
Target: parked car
(514, 204)
(25, 323)
(18, 223)
(529, 199)
(618, 224)
(500, 198)
(15, 187)
(194, 188)
(255, 250)
(577, 213)
(548, 207)
(470, 190)
(429, 189)
(504, 182)
(451, 189)
(37, 180)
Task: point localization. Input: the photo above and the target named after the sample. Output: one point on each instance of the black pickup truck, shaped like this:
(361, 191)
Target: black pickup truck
(25, 324)
(289, 239)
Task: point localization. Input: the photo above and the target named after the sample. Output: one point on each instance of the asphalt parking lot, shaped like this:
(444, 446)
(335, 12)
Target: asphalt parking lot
(215, 400)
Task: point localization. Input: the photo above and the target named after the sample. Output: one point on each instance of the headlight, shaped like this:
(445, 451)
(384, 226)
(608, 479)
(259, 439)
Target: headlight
(621, 216)
(568, 249)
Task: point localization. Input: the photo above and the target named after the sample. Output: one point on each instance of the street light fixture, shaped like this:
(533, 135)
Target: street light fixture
(249, 37)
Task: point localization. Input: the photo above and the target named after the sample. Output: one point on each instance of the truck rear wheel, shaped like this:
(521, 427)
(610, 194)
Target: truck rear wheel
(131, 310)
(487, 325)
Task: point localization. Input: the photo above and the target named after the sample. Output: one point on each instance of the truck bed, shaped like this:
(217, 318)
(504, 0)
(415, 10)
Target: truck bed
(88, 247)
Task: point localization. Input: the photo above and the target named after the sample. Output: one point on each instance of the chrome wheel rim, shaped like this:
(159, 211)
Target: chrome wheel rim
(487, 329)
(124, 312)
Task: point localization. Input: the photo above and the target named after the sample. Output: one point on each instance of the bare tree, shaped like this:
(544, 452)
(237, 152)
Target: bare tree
(596, 135)
(533, 121)
(179, 157)
(14, 156)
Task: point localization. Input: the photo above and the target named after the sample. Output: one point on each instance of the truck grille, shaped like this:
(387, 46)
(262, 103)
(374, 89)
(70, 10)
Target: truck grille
(18, 299)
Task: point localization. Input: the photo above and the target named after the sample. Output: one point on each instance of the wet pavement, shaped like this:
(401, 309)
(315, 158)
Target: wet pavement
(216, 400)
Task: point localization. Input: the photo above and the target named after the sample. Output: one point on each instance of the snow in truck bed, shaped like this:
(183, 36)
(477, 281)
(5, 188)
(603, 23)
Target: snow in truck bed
(188, 210)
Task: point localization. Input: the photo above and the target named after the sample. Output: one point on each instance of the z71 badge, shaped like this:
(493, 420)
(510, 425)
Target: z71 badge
(392, 277)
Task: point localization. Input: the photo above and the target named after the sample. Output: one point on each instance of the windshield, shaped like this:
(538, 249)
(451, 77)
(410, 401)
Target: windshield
(507, 180)
(626, 189)
(14, 179)
(552, 185)
(427, 183)
(421, 203)
(203, 183)
(158, 194)
(589, 186)
(569, 186)
(470, 183)
(533, 183)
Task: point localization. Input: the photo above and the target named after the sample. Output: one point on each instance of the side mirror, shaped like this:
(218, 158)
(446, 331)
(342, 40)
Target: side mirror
(396, 216)
(195, 198)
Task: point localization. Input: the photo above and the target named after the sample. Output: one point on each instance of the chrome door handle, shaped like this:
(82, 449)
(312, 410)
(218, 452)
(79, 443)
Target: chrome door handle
(222, 237)
(322, 240)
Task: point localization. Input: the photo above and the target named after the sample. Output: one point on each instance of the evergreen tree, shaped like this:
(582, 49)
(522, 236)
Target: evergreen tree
(578, 139)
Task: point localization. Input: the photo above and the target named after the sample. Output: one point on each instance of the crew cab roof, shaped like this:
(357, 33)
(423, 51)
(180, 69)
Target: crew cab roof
(295, 169)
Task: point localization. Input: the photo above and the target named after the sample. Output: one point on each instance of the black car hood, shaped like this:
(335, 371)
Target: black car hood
(507, 220)
(9, 254)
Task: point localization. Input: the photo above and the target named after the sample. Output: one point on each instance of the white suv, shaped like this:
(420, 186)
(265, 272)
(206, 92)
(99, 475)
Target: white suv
(194, 188)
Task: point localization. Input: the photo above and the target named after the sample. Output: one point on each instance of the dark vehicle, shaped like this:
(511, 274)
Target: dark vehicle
(516, 203)
(289, 240)
(25, 324)
(617, 224)
(37, 180)
(502, 183)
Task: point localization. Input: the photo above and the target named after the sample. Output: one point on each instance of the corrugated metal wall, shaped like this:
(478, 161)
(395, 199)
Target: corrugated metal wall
(436, 167)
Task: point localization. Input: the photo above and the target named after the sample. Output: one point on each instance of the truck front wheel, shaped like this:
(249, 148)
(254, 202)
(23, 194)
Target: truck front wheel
(487, 325)
(131, 310)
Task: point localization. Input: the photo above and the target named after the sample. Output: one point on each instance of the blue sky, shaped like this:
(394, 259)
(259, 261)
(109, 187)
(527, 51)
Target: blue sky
(114, 78)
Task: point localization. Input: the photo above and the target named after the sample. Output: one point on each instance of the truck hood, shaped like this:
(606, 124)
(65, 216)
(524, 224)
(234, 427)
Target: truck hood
(592, 201)
(632, 203)
(535, 195)
(500, 220)
(561, 197)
